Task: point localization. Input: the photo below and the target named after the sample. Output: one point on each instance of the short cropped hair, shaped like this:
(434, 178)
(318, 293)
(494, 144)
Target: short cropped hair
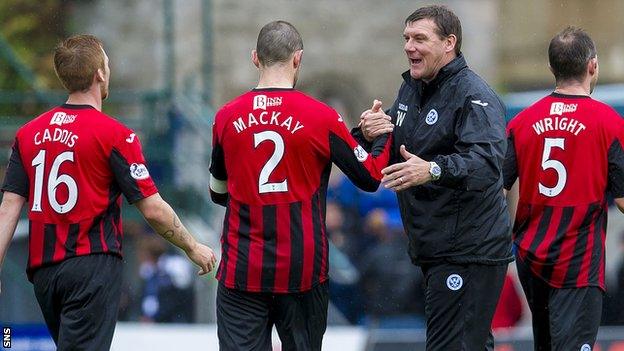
(277, 41)
(446, 21)
(76, 61)
(569, 53)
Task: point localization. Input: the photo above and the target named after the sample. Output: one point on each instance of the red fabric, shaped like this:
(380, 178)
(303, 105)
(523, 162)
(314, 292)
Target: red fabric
(509, 308)
(275, 147)
(92, 224)
(562, 146)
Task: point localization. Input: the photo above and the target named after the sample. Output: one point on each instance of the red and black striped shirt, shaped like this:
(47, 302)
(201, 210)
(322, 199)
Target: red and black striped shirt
(567, 153)
(274, 149)
(72, 163)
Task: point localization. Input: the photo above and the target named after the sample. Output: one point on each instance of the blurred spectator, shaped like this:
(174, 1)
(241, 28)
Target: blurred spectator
(343, 285)
(391, 284)
(167, 295)
(612, 311)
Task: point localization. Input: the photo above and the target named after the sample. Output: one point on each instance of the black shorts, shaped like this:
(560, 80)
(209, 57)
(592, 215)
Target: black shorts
(79, 299)
(460, 301)
(245, 319)
(563, 319)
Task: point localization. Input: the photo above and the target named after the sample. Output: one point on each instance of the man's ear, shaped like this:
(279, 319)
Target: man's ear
(99, 75)
(450, 43)
(298, 56)
(254, 58)
(592, 66)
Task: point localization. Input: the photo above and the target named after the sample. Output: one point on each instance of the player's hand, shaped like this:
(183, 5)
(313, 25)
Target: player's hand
(400, 176)
(375, 122)
(203, 256)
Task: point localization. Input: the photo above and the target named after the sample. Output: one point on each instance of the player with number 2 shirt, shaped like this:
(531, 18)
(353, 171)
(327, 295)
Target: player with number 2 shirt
(272, 155)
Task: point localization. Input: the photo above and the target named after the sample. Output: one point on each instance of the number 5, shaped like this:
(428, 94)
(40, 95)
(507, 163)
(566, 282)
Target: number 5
(547, 163)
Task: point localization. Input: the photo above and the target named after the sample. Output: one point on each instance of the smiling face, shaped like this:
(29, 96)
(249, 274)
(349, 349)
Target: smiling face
(426, 51)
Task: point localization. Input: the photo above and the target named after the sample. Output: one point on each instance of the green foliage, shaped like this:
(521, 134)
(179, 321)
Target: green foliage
(32, 28)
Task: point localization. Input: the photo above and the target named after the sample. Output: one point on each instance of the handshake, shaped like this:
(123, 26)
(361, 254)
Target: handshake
(375, 122)
(399, 176)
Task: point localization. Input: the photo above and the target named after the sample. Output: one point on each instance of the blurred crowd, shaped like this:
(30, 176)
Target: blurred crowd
(373, 282)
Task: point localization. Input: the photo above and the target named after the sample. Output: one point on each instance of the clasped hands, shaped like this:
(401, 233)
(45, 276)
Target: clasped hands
(399, 176)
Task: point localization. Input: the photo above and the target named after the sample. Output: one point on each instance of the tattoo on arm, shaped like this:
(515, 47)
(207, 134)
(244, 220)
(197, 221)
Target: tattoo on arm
(176, 221)
(168, 234)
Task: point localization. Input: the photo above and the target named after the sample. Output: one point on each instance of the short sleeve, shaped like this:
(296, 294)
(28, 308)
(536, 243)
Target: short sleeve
(16, 180)
(129, 168)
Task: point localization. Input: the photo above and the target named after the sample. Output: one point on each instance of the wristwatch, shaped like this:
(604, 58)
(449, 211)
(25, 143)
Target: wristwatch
(435, 171)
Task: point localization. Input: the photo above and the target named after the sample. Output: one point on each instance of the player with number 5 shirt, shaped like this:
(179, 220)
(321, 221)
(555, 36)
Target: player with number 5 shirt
(566, 151)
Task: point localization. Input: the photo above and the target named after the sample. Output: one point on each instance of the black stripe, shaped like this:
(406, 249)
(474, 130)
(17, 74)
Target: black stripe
(109, 227)
(521, 224)
(555, 247)
(318, 238)
(72, 239)
(49, 242)
(615, 172)
(296, 248)
(242, 261)
(581, 245)
(121, 170)
(600, 226)
(226, 244)
(94, 235)
(269, 225)
(542, 228)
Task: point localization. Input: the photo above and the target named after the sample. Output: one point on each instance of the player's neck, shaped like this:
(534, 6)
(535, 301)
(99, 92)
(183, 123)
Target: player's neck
(573, 88)
(90, 97)
(276, 78)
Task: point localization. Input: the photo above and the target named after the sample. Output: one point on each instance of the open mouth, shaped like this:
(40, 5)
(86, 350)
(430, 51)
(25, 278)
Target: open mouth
(415, 61)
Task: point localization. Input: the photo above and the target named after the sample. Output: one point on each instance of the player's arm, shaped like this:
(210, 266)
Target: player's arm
(15, 190)
(615, 170)
(480, 144)
(510, 176)
(218, 174)
(10, 210)
(128, 166)
(163, 219)
(361, 167)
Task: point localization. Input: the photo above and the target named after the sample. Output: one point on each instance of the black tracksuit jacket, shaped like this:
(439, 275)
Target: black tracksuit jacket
(458, 121)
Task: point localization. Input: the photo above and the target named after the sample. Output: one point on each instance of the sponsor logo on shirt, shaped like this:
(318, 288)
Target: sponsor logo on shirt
(138, 171)
(130, 139)
(454, 282)
(262, 102)
(585, 347)
(60, 118)
(360, 153)
(432, 117)
(402, 107)
(559, 108)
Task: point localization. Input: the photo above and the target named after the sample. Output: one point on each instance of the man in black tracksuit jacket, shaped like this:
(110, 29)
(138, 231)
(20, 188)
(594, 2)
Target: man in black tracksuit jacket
(453, 208)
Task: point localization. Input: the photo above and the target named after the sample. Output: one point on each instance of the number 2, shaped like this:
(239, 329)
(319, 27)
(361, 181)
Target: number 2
(547, 163)
(263, 180)
(54, 180)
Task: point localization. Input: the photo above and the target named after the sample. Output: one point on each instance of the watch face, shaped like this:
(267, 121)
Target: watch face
(435, 171)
